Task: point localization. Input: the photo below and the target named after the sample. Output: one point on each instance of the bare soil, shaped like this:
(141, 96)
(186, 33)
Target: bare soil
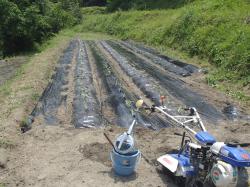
(60, 156)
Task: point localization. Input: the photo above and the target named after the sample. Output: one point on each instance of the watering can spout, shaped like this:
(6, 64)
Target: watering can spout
(131, 127)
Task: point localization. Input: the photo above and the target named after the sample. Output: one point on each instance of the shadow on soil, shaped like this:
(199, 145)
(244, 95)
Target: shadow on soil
(118, 178)
(98, 152)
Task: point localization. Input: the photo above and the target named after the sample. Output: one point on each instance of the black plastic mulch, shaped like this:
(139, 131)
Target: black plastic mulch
(86, 109)
(52, 98)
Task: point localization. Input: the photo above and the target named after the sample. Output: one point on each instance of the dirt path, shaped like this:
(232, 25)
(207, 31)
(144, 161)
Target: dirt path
(91, 88)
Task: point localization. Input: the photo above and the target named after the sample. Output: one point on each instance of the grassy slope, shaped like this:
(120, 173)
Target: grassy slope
(217, 31)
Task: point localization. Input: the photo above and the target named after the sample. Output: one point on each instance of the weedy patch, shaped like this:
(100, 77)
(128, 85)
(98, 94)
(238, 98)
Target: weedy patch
(6, 144)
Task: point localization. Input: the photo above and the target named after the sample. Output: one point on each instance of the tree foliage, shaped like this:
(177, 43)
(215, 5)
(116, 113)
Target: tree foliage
(87, 3)
(26, 23)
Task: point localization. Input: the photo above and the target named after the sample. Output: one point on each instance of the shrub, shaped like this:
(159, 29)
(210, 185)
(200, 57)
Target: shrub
(24, 24)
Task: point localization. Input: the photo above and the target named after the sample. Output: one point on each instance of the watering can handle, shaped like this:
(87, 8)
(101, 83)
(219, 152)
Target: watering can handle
(106, 136)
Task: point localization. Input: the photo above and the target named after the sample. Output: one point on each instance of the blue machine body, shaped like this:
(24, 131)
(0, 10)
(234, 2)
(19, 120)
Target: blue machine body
(205, 138)
(184, 161)
(236, 156)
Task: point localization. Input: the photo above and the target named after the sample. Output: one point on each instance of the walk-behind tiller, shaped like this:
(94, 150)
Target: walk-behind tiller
(201, 160)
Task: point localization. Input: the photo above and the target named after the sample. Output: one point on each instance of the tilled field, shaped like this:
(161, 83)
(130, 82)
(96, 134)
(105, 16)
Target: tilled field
(99, 82)
(94, 87)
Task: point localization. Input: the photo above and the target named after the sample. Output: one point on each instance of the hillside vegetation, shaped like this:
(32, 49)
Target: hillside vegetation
(218, 31)
(26, 24)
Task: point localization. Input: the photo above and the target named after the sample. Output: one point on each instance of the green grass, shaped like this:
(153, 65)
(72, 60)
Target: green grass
(217, 31)
(76, 32)
(93, 10)
(160, 4)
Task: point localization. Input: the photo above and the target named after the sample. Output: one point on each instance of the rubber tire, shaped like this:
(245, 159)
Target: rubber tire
(242, 177)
